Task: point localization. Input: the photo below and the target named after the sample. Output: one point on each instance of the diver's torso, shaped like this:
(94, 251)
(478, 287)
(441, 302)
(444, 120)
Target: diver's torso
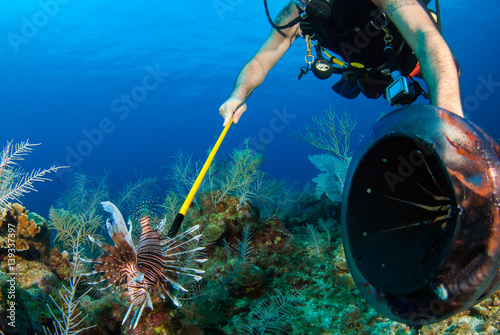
(349, 33)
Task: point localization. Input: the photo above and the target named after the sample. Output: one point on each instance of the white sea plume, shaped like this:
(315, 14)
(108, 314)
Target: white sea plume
(14, 183)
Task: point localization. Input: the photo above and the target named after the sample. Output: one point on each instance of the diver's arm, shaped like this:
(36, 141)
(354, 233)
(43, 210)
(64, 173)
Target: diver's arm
(254, 71)
(436, 60)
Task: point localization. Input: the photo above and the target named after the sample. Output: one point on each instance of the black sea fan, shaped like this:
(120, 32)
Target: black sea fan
(151, 267)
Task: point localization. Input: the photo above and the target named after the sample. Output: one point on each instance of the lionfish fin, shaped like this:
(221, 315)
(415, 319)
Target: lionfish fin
(167, 242)
(195, 277)
(138, 278)
(150, 302)
(189, 231)
(160, 227)
(173, 298)
(92, 273)
(128, 313)
(129, 236)
(85, 260)
(102, 289)
(137, 316)
(178, 287)
(191, 269)
(96, 282)
(187, 251)
(97, 242)
(138, 312)
(117, 226)
(201, 260)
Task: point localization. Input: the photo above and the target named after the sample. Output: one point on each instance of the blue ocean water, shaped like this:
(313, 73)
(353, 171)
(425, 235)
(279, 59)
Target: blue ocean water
(121, 85)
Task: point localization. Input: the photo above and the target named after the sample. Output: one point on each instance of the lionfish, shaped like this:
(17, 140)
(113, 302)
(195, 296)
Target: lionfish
(151, 266)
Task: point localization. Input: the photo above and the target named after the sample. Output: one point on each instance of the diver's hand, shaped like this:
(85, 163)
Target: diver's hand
(232, 108)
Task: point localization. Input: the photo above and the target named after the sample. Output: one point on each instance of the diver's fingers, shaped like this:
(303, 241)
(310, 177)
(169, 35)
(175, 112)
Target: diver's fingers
(238, 112)
(232, 108)
(225, 113)
(227, 119)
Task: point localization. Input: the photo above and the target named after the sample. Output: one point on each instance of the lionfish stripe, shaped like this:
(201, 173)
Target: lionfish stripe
(146, 227)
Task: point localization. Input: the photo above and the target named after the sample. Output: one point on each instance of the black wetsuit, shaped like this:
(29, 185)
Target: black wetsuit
(350, 34)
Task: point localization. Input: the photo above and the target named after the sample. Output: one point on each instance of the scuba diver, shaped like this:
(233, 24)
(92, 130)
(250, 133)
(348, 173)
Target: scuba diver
(421, 199)
(382, 43)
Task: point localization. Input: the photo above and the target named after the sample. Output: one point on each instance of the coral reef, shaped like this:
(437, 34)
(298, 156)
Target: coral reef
(23, 231)
(59, 264)
(29, 288)
(276, 262)
(15, 216)
(224, 218)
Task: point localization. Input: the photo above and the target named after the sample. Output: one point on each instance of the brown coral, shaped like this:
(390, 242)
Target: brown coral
(20, 229)
(16, 213)
(20, 244)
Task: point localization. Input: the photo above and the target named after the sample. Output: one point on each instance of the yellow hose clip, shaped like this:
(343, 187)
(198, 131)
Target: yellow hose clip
(335, 60)
(357, 65)
(309, 57)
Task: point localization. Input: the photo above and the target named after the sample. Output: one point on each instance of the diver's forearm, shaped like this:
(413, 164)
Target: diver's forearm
(440, 72)
(436, 60)
(249, 78)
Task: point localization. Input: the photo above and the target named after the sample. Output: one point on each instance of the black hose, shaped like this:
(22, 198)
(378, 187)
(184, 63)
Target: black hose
(174, 228)
(438, 15)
